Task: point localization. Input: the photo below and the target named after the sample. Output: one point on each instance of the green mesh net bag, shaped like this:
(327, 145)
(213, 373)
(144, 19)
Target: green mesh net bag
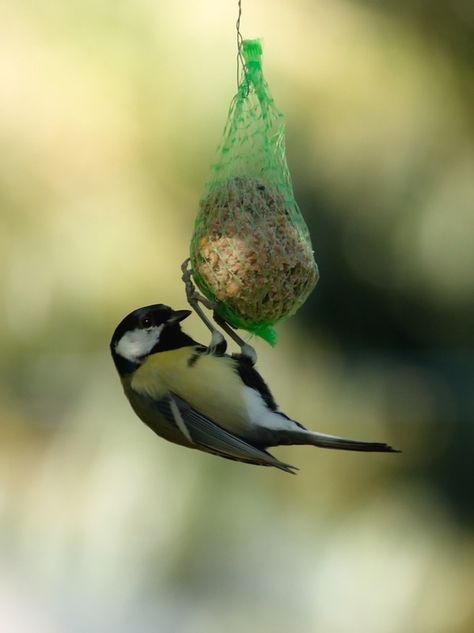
(251, 251)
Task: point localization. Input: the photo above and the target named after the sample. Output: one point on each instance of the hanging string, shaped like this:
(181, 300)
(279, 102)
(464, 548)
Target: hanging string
(240, 39)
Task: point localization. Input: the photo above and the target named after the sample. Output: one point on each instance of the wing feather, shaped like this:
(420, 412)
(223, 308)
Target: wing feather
(211, 437)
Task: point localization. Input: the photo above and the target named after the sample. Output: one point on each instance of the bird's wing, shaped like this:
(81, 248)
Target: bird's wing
(209, 436)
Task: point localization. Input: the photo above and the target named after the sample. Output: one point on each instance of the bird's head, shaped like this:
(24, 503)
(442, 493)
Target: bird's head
(146, 331)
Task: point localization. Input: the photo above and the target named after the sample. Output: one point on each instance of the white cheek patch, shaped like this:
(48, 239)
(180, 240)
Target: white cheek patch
(138, 343)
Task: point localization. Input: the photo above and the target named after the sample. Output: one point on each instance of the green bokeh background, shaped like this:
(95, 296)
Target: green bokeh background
(110, 113)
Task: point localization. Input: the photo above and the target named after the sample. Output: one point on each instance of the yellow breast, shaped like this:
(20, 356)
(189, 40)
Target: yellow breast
(210, 385)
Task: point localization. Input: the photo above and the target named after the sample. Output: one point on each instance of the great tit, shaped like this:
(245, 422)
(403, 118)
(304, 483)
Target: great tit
(203, 398)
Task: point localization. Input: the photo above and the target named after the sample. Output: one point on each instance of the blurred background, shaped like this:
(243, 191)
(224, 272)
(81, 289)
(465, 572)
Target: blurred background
(110, 114)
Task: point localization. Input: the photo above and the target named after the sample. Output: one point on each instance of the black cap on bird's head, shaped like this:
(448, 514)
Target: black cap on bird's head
(145, 331)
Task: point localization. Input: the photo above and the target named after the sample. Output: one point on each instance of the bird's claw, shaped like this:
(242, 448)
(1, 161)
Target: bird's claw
(192, 294)
(218, 344)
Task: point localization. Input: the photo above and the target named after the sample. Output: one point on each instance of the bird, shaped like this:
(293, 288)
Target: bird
(202, 398)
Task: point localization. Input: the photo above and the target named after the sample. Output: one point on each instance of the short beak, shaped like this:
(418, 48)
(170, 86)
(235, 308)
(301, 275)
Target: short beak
(179, 315)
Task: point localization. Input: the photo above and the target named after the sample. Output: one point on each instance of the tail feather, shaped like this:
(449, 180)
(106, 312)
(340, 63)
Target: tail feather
(340, 443)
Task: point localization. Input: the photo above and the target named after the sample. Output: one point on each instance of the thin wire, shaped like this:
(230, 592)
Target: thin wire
(240, 39)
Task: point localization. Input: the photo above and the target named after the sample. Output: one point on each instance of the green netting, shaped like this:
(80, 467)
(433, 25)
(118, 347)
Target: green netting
(251, 251)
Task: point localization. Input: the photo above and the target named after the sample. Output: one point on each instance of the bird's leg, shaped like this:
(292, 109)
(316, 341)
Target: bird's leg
(246, 351)
(218, 344)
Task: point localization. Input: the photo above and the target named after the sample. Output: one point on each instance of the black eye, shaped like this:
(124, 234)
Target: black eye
(147, 322)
